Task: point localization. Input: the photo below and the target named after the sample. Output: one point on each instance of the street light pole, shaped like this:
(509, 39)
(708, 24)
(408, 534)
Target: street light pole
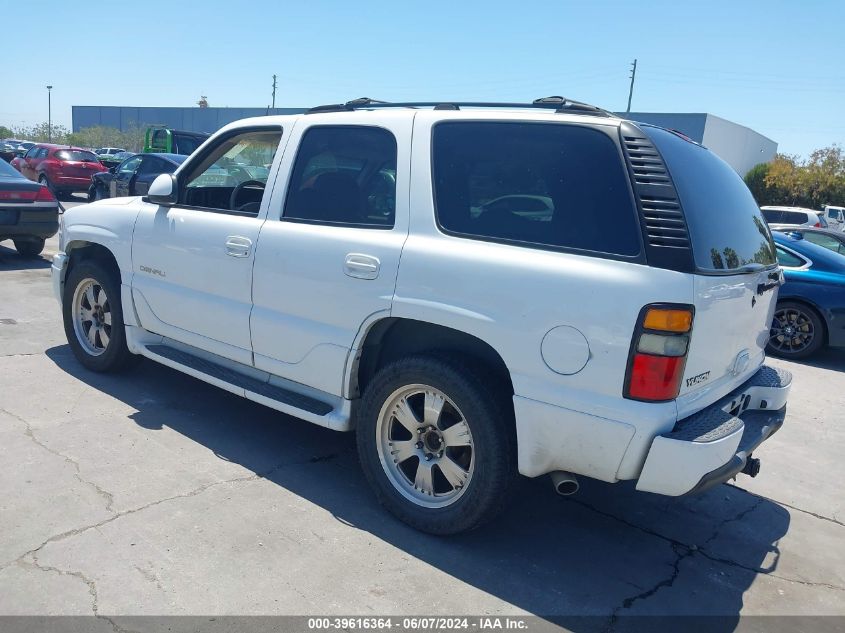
(49, 115)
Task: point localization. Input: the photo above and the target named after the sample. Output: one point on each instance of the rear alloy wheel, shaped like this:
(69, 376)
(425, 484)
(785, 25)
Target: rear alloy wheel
(93, 317)
(29, 247)
(797, 331)
(435, 441)
(92, 193)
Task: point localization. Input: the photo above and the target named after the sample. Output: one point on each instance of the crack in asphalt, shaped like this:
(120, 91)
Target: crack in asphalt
(30, 433)
(192, 493)
(683, 551)
(791, 507)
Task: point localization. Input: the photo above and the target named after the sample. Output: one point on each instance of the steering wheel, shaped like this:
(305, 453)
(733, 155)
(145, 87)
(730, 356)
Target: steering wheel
(254, 184)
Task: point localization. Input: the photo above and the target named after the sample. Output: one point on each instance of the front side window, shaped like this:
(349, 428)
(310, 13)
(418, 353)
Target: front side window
(231, 176)
(129, 166)
(551, 184)
(833, 213)
(344, 175)
(828, 242)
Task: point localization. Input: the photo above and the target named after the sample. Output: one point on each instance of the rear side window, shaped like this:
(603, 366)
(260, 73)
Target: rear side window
(344, 175)
(785, 258)
(549, 184)
(772, 216)
(794, 217)
(725, 224)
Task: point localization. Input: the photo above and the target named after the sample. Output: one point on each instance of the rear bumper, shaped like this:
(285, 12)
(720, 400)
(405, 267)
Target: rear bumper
(72, 182)
(713, 445)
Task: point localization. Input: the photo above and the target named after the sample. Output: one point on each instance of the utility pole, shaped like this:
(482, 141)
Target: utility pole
(274, 92)
(631, 91)
(49, 115)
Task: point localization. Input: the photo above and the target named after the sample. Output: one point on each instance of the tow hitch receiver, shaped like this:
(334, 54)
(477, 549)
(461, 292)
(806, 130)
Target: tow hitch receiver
(752, 467)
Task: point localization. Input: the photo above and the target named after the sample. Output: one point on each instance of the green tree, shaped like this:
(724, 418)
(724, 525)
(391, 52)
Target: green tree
(787, 180)
(5, 132)
(755, 179)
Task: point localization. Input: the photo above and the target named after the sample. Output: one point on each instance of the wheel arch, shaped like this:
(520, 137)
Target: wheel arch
(391, 338)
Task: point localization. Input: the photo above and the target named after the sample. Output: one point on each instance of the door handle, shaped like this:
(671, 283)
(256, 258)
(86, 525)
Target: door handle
(237, 246)
(361, 266)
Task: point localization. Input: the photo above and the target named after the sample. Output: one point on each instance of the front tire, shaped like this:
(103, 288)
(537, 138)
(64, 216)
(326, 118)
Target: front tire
(93, 317)
(92, 193)
(29, 247)
(436, 443)
(797, 331)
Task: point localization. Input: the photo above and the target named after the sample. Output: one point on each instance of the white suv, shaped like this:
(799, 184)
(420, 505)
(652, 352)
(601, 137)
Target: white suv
(795, 216)
(479, 290)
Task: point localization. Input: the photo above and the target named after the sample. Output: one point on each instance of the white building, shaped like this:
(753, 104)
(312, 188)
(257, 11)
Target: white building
(741, 147)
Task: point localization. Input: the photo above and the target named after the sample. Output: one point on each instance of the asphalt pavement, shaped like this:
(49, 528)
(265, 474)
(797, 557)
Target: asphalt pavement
(153, 493)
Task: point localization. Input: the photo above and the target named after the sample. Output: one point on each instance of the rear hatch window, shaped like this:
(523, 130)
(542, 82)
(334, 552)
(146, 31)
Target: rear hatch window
(734, 288)
(77, 155)
(727, 229)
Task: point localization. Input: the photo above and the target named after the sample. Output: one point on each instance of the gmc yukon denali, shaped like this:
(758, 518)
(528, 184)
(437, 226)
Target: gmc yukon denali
(477, 290)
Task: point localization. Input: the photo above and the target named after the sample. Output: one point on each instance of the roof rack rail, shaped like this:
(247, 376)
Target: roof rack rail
(560, 105)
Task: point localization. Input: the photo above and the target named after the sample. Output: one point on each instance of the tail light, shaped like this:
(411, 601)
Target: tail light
(658, 352)
(44, 195)
(817, 225)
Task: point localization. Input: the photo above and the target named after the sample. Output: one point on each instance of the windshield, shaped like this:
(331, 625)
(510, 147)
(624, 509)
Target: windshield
(726, 227)
(77, 154)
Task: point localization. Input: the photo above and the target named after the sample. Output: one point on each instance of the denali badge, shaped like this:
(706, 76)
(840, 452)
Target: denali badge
(153, 271)
(698, 379)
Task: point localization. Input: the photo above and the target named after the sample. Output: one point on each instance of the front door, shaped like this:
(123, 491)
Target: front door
(123, 177)
(193, 261)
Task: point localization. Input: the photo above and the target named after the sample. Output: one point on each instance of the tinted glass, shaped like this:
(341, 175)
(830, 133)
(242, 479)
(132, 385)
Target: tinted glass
(725, 224)
(788, 259)
(548, 184)
(77, 154)
(344, 175)
(153, 165)
(793, 217)
(186, 144)
(833, 213)
(772, 216)
(828, 242)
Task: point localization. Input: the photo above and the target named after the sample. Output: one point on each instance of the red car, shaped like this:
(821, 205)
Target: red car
(62, 168)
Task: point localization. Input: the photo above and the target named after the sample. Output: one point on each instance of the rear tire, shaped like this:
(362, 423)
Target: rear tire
(436, 442)
(797, 331)
(92, 193)
(93, 317)
(46, 182)
(29, 247)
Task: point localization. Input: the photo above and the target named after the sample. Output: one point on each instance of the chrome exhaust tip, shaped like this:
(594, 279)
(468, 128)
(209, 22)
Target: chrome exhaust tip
(564, 483)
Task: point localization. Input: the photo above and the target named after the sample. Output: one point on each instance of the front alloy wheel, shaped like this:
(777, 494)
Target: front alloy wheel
(92, 318)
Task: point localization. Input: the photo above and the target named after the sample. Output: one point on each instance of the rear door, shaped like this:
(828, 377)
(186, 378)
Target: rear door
(123, 177)
(736, 277)
(329, 251)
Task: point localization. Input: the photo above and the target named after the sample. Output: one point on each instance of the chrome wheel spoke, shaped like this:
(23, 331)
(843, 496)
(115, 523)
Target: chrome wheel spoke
(107, 318)
(85, 315)
(403, 450)
(424, 481)
(101, 297)
(453, 473)
(406, 417)
(92, 335)
(104, 338)
(457, 435)
(89, 296)
(433, 408)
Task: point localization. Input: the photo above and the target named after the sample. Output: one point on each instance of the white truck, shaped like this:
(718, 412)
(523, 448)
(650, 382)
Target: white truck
(478, 290)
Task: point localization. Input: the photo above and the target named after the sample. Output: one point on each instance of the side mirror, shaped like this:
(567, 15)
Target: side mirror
(113, 169)
(164, 190)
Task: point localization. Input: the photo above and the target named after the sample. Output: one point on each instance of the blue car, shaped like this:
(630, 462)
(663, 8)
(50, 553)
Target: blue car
(810, 311)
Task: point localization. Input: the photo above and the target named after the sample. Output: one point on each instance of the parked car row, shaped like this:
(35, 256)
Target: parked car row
(29, 213)
(829, 217)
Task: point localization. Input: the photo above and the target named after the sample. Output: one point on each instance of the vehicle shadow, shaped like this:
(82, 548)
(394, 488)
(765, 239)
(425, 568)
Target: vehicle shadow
(586, 562)
(826, 358)
(10, 259)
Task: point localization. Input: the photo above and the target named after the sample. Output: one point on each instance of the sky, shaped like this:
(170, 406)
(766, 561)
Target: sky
(776, 67)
